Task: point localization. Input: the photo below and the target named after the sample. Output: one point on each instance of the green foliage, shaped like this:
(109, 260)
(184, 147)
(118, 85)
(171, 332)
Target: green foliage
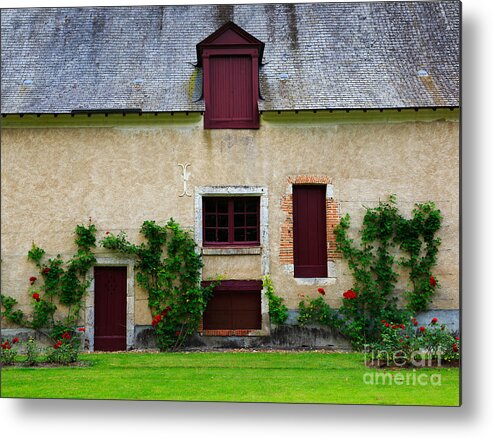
(372, 263)
(67, 344)
(403, 343)
(8, 303)
(8, 352)
(278, 311)
(43, 313)
(317, 311)
(168, 268)
(63, 354)
(35, 254)
(32, 352)
(416, 238)
(63, 285)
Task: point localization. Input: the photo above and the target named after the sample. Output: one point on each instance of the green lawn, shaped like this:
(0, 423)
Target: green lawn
(244, 377)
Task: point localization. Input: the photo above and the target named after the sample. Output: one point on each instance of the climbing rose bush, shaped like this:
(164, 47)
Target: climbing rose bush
(7, 353)
(405, 341)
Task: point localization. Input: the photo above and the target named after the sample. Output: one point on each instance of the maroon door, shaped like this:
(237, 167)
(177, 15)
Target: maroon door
(309, 231)
(110, 308)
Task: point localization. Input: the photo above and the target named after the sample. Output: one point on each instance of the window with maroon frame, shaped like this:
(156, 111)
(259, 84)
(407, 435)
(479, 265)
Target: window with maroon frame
(231, 221)
(235, 305)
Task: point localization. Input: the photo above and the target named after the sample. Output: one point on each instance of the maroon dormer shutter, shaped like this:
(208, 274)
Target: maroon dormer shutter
(230, 60)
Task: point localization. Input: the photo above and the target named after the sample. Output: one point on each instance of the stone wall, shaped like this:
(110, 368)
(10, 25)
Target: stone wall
(55, 177)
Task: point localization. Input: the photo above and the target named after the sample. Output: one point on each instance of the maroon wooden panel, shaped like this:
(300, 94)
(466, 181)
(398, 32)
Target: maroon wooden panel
(231, 89)
(235, 305)
(309, 231)
(110, 308)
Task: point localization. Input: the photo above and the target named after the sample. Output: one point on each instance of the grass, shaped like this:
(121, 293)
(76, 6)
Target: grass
(309, 377)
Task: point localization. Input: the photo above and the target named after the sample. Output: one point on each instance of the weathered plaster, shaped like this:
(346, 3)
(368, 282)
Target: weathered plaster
(53, 179)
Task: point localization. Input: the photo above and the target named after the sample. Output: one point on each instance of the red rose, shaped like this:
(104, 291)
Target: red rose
(36, 297)
(455, 348)
(395, 327)
(321, 291)
(349, 295)
(56, 346)
(107, 232)
(402, 326)
(387, 324)
(46, 270)
(433, 282)
(407, 337)
(81, 329)
(383, 321)
(434, 320)
(457, 338)
(32, 280)
(415, 321)
(422, 329)
(400, 340)
(66, 336)
(15, 340)
(156, 320)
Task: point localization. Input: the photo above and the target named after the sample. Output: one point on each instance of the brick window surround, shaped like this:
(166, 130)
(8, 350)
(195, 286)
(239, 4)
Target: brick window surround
(286, 254)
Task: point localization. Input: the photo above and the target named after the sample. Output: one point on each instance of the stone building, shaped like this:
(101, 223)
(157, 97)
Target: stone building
(224, 117)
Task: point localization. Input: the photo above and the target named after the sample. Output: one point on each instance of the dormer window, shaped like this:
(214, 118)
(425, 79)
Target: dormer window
(230, 58)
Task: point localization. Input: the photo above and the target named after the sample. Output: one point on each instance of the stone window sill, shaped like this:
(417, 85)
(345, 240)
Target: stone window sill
(246, 250)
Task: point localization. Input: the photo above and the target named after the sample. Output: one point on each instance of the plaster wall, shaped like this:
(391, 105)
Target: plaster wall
(117, 177)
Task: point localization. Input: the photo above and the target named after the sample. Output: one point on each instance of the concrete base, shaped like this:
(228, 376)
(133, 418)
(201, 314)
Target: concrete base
(288, 336)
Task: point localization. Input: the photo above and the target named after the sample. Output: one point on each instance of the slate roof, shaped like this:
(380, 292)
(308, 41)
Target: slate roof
(317, 56)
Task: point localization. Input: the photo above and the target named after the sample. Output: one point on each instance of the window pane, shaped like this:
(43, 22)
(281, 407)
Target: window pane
(222, 235)
(239, 220)
(222, 220)
(251, 220)
(210, 235)
(239, 205)
(239, 235)
(209, 205)
(210, 220)
(251, 235)
(222, 205)
(251, 205)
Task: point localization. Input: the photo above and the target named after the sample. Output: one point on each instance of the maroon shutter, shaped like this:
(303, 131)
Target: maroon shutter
(309, 231)
(110, 308)
(235, 305)
(231, 102)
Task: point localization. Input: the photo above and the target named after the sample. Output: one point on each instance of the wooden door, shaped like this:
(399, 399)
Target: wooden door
(110, 308)
(309, 231)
